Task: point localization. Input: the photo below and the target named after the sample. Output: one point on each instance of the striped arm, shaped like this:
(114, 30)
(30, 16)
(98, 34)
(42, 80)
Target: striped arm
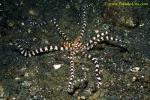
(62, 34)
(29, 53)
(95, 62)
(84, 22)
(107, 38)
(76, 83)
(71, 87)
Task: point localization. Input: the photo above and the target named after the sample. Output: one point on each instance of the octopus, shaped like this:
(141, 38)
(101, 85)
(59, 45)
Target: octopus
(77, 47)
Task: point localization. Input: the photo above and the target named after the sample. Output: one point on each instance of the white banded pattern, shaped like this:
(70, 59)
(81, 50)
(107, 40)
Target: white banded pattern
(107, 38)
(29, 53)
(97, 66)
(60, 32)
(83, 22)
(71, 79)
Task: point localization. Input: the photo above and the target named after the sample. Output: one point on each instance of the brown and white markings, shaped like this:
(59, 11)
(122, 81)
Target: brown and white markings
(77, 46)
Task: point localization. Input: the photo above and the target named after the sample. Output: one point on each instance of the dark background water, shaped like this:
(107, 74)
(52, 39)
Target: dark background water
(28, 22)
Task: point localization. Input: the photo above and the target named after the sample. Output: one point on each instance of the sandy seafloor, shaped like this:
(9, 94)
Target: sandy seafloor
(125, 75)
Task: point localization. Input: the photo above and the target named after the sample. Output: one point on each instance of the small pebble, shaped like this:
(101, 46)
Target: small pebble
(22, 23)
(26, 74)
(26, 84)
(17, 78)
(57, 66)
(134, 78)
(142, 76)
(82, 97)
(128, 84)
(135, 69)
(96, 31)
(13, 98)
(141, 86)
(23, 69)
(141, 25)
